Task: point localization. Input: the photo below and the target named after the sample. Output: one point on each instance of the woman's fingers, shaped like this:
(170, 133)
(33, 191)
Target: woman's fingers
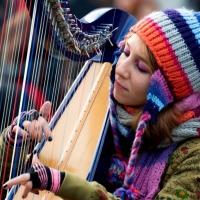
(37, 128)
(34, 128)
(18, 180)
(23, 179)
(45, 127)
(45, 109)
(21, 132)
(35, 159)
(27, 189)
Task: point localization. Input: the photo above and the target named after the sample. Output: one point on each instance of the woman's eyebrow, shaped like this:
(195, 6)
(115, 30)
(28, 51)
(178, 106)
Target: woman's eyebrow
(140, 57)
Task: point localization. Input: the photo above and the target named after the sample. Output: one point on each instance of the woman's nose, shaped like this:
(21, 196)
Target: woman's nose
(122, 69)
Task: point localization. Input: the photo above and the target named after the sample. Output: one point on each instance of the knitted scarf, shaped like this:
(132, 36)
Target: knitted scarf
(151, 163)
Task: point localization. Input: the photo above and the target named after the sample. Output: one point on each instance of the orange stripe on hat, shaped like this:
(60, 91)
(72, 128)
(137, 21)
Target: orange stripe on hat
(151, 33)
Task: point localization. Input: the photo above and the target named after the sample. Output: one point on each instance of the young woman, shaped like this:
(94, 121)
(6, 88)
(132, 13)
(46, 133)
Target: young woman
(154, 114)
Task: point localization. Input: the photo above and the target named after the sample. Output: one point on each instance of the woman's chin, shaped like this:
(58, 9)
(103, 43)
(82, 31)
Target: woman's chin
(119, 98)
(124, 100)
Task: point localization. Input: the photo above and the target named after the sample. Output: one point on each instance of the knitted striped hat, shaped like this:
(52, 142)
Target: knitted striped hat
(173, 36)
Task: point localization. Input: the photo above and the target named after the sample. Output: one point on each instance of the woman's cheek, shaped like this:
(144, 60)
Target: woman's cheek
(120, 61)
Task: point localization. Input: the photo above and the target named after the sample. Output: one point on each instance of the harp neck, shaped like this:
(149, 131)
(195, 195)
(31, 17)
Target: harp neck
(85, 38)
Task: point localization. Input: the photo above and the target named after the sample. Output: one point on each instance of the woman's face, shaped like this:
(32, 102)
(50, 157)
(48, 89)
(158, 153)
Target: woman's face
(132, 77)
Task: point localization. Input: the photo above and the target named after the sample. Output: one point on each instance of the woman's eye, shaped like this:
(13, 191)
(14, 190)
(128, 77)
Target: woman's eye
(141, 69)
(126, 53)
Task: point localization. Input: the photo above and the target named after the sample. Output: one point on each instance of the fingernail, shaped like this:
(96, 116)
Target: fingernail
(5, 185)
(49, 138)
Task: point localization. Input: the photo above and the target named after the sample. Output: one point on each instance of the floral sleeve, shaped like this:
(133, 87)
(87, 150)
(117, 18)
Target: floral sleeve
(182, 177)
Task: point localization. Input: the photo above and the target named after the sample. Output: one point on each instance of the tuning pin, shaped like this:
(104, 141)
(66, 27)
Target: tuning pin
(97, 52)
(70, 15)
(76, 32)
(60, 7)
(73, 28)
(66, 10)
(64, 4)
(114, 29)
(107, 24)
(75, 46)
(77, 49)
(71, 20)
(110, 42)
(87, 53)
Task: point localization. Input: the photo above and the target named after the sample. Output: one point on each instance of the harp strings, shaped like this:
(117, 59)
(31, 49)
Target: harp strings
(47, 68)
(13, 67)
(7, 49)
(33, 77)
(9, 71)
(17, 152)
(35, 61)
(1, 84)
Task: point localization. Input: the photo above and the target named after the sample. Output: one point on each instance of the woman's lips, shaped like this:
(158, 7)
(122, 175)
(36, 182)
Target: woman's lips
(117, 85)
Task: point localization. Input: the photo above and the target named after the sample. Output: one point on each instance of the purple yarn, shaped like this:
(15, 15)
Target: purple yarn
(127, 194)
(149, 170)
(116, 171)
(144, 183)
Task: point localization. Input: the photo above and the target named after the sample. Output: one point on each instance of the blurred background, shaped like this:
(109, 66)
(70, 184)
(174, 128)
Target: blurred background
(138, 8)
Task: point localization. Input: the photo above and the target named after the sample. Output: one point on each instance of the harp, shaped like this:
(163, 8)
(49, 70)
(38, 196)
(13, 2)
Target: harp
(66, 61)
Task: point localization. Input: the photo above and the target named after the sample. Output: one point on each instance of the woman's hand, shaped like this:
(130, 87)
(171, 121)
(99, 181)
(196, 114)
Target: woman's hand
(38, 177)
(36, 125)
(30, 125)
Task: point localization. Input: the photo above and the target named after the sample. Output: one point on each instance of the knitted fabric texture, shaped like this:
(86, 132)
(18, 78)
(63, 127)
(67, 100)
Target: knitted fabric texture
(149, 170)
(152, 163)
(156, 160)
(173, 36)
